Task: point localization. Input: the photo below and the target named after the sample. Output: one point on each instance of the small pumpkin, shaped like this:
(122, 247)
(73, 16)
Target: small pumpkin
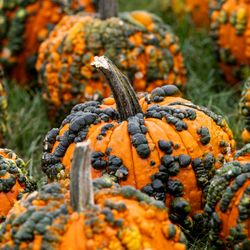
(196, 8)
(228, 204)
(24, 25)
(3, 110)
(143, 47)
(159, 143)
(112, 217)
(14, 181)
(245, 110)
(230, 31)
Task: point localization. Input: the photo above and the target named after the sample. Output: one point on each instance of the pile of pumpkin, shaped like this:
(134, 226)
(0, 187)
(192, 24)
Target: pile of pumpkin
(131, 170)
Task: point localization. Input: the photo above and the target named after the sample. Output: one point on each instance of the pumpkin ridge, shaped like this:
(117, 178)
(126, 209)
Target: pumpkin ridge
(177, 154)
(131, 154)
(133, 161)
(218, 119)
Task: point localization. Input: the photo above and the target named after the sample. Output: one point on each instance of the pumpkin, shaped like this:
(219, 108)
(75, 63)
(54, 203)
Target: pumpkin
(245, 111)
(24, 25)
(230, 22)
(3, 109)
(159, 143)
(110, 217)
(196, 8)
(228, 202)
(14, 181)
(138, 42)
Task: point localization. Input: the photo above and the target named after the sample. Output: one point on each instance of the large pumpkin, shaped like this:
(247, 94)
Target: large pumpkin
(3, 110)
(24, 24)
(228, 204)
(13, 180)
(159, 143)
(245, 111)
(198, 9)
(230, 29)
(111, 218)
(138, 42)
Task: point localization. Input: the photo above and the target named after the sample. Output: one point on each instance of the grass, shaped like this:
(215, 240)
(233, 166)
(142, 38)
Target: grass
(28, 123)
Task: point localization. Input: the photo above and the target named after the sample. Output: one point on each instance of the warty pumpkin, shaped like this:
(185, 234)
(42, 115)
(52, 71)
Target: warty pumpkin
(14, 181)
(143, 47)
(245, 111)
(3, 109)
(228, 204)
(24, 25)
(196, 8)
(159, 143)
(108, 217)
(230, 30)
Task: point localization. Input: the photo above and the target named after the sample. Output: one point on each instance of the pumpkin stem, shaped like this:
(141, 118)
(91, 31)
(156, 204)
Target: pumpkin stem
(108, 9)
(125, 97)
(81, 188)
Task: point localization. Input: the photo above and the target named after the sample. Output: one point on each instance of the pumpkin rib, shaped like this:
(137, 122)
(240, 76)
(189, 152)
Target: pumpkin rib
(130, 152)
(195, 207)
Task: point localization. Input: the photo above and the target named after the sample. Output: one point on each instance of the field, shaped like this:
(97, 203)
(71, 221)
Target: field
(28, 123)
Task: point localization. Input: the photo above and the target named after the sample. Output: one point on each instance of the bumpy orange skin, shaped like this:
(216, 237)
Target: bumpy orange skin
(123, 219)
(3, 113)
(228, 199)
(14, 181)
(141, 46)
(230, 29)
(137, 146)
(21, 37)
(196, 8)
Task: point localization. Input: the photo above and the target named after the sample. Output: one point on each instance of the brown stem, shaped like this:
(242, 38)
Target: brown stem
(81, 188)
(126, 101)
(108, 9)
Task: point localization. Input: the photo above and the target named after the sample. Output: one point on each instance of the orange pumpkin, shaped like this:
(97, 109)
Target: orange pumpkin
(245, 111)
(196, 8)
(138, 42)
(111, 218)
(13, 180)
(24, 25)
(230, 29)
(159, 143)
(3, 110)
(228, 203)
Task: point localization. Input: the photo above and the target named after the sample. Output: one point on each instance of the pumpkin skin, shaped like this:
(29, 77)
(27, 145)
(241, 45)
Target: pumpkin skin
(3, 110)
(13, 179)
(122, 218)
(228, 202)
(230, 24)
(25, 24)
(196, 8)
(245, 111)
(170, 150)
(143, 47)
